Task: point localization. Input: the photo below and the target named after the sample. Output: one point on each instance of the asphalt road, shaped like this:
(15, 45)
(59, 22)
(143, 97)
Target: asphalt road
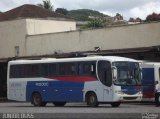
(79, 110)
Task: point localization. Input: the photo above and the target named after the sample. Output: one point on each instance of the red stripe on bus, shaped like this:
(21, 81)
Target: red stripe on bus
(74, 78)
(148, 94)
(138, 86)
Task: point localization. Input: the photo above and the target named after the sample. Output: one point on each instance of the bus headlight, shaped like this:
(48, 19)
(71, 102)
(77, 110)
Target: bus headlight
(119, 92)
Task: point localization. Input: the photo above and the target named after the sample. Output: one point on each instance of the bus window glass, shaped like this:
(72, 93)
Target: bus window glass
(87, 68)
(14, 71)
(32, 70)
(52, 69)
(35, 70)
(128, 73)
(48, 70)
(23, 71)
(44, 70)
(67, 69)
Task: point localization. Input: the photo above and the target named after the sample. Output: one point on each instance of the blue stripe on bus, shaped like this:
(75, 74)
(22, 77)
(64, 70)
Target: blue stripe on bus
(56, 90)
(130, 90)
(148, 79)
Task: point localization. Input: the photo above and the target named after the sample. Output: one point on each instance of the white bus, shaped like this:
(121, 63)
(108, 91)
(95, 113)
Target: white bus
(94, 80)
(151, 81)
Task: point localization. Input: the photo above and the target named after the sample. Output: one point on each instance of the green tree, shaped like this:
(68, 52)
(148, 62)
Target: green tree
(62, 11)
(85, 14)
(46, 5)
(94, 23)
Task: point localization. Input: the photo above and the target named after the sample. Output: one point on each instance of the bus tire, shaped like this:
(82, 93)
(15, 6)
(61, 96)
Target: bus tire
(157, 99)
(59, 104)
(92, 100)
(37, 100)
(115, 104)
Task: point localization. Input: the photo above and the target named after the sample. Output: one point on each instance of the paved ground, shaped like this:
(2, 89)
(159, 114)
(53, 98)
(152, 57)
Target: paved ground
(78, 110)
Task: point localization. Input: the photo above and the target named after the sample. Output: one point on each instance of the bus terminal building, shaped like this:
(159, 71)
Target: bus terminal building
(37, 36)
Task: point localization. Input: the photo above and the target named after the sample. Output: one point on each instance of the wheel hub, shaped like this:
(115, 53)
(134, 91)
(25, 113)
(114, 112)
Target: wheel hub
(36, 100)
(92, 99)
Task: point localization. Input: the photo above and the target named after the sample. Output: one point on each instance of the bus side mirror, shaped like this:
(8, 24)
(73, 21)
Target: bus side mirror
(92, 68)
(114, 72)
(141, 74)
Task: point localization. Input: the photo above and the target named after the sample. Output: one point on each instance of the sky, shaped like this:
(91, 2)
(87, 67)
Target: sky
(127, 8)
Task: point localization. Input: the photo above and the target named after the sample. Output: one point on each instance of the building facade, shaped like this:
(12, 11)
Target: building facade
(14, 33)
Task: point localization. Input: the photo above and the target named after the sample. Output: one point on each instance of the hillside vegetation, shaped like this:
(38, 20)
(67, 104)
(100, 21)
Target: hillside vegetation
(85, 14)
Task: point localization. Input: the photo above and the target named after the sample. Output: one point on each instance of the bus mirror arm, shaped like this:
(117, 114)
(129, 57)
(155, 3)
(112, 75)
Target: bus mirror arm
(141, 75)
(114, 80)
(114, 73)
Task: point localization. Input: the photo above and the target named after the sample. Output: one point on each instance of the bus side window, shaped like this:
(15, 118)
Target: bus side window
(68, 69)
(35, 70)
(48, 70)
(87, 68)
(17, 71)
(13, 71)
(44, 70)
(52, 69)
(104, 72)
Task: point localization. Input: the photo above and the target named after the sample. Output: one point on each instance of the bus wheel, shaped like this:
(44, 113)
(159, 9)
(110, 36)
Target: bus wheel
(59, 104)
(92, 100)
(37, 100)
(157, 99)
(115, 104)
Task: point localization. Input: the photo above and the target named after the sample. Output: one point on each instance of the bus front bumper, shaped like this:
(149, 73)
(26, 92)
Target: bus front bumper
(128, 98)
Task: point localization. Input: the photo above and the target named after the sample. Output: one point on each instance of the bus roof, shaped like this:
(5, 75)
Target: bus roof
(93, 58)
(151, 63)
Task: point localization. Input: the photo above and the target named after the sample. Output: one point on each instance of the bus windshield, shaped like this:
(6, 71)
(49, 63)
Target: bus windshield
(128, 73)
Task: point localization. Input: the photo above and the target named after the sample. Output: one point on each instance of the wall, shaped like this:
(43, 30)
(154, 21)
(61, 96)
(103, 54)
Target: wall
(132, 36)
(40, 26)
(12, 33)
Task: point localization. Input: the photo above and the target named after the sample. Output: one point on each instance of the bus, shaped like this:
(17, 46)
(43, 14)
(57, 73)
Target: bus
(151, 81)
(94, 80)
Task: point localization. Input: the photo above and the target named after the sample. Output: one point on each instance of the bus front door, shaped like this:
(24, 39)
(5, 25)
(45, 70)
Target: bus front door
(105, 76)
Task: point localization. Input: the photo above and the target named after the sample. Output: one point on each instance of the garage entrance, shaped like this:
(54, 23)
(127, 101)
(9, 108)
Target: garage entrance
(3, 79)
